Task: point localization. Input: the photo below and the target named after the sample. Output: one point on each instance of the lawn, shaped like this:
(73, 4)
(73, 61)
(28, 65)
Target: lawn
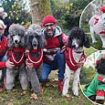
(50, 95)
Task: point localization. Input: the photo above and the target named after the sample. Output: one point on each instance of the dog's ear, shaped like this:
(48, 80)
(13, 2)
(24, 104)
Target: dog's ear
(10, 41)
(69, 43)
(26, 40)
(86, 41)
(41, 41)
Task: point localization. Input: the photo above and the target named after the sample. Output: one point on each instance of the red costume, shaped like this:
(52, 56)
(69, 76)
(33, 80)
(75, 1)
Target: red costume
(35, 56)
(17, 56)
(73, 65)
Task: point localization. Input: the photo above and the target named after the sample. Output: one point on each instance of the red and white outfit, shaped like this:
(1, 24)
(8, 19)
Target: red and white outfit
(74, 62)
(37, 61)
(17, 56)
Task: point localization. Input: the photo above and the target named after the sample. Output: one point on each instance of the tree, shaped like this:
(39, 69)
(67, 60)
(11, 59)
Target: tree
(39, 9)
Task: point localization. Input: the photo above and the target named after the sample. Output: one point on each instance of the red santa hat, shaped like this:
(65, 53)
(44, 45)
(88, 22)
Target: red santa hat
(48, 19)
(102, 9)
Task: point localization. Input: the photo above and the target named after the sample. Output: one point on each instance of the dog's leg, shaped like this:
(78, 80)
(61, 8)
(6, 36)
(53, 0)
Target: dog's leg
(9, 83)
(76, 82)
(35, 82)
(23, 78)
(92, 34)
(66, 81)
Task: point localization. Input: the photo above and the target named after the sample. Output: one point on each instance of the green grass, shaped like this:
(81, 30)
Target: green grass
(50, 96)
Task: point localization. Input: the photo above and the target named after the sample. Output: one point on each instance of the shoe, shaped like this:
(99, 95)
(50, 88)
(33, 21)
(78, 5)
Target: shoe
(60, 86)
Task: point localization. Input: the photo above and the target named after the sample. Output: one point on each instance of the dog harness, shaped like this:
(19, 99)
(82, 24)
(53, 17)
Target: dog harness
(73, 65)
(35, 56)
(17, 56)
(3, 45)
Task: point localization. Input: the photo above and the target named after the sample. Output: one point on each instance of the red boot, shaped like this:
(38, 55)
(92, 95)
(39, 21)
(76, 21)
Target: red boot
(60, 86)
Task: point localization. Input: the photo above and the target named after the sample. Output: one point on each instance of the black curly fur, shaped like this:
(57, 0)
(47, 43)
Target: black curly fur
(100, 67)
(78, 33)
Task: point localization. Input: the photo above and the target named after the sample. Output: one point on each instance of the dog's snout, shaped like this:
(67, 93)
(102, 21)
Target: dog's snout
(16, 39)
(34, 42)
(75, 43)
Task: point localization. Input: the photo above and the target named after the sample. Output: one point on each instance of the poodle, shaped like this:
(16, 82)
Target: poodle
(16, 54)
(34, 54)
(75, 58)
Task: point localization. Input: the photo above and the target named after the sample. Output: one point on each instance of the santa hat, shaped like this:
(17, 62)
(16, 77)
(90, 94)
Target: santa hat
(102, 9)
(48, 19)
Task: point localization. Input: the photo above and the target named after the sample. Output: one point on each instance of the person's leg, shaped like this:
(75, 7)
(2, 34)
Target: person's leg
(61, 70)
(46, 69)
(61, 65)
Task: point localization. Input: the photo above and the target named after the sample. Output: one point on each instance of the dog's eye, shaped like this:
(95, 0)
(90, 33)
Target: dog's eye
(12, 35)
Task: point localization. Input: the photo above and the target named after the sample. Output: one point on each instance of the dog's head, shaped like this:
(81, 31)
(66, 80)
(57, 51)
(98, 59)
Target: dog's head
(100, 67)
(34, 37)
(77, 39)
(16, 35)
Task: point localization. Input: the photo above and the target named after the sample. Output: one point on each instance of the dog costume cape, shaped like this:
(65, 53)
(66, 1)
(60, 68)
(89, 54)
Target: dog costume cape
(73, 65)
(35, 56)
(17, 56)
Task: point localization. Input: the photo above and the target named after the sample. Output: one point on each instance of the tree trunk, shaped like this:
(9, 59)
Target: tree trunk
(39, 9)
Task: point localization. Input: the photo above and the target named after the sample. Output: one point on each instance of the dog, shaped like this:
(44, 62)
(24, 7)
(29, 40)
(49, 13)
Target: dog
(95, 90)
(34, 54)
(97, 26)
(16, 54)
(75, 58)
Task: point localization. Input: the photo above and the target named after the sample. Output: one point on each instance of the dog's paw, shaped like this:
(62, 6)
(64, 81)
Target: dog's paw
(75, 91)
(66, 95)
(34, 96)
(23, 93)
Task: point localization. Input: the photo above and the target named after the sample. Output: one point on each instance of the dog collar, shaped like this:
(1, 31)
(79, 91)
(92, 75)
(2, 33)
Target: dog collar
(38, 61)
